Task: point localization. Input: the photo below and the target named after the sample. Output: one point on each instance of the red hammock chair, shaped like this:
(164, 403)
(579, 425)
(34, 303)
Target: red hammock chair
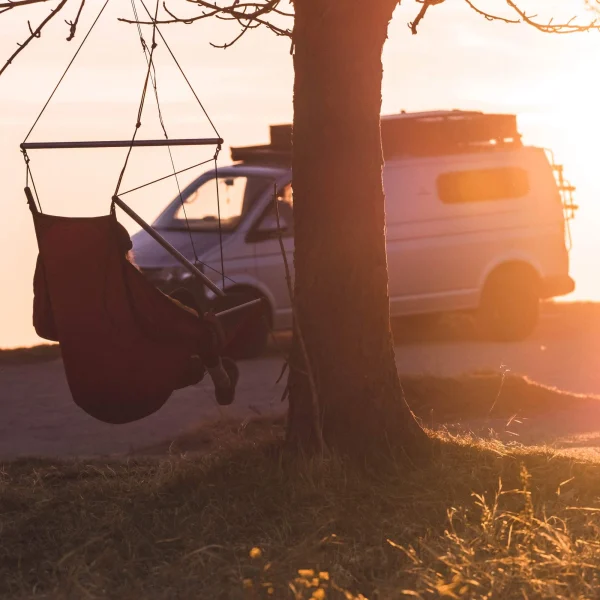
(125, 345)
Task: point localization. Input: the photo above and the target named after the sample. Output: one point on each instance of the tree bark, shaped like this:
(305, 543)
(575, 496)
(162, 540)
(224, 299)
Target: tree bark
(341, 279)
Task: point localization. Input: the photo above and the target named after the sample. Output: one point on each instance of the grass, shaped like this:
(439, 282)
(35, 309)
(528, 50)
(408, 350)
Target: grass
(218, 514)
(241, 522)
(481, 395)
(29, 355)
(435, 401)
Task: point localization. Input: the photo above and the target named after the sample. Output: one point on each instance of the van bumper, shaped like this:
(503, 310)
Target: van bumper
(556, 285)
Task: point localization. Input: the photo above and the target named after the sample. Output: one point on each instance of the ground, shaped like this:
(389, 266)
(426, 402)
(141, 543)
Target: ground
(37, 416)
(218, 511)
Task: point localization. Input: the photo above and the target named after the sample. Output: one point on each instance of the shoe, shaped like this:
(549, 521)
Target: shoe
(225, 392)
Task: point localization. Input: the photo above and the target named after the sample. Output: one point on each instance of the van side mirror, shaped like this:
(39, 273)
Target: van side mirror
(261, 235)
(268, 230)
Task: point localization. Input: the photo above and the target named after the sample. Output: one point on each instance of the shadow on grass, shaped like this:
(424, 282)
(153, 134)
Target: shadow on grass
(240, 522)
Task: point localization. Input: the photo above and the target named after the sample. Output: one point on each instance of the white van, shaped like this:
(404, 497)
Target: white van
(476, 221)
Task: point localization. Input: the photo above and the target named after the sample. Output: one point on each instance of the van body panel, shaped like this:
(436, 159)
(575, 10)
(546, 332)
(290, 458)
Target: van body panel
(443, 241)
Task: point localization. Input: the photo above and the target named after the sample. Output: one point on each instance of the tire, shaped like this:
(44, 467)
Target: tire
(417, 326)
(252, 336)
(510, 306)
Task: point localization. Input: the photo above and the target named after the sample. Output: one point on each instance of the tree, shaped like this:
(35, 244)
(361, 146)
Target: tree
(344, 389)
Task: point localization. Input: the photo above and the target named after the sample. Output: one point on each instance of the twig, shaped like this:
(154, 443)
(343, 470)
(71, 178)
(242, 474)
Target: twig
(490, 16)
(309, 372)
(248, 14)
(426, 4)
(33, 35)
(569, 27)
(73, 24)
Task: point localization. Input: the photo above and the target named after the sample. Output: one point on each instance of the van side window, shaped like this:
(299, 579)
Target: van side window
(285, 204)
(481, 185)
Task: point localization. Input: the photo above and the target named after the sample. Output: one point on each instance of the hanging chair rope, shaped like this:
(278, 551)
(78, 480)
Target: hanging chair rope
(154, 81)
(138, 123)
(150, 77)
(139, 187)
(218, 149)
(219, 216)
(66, 70)
(162, 37)
(28, 176)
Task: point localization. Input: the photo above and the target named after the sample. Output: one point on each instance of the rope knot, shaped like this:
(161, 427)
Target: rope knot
(138, 124)
(154, 44)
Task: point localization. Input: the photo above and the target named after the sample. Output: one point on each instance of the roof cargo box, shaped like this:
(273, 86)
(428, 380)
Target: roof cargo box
(447, 132)
(409, 134)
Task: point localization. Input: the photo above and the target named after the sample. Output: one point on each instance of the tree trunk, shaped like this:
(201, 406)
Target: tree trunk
(341, 279)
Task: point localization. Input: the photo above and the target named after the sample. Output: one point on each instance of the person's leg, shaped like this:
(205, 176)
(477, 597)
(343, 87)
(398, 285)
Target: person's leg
(223, 372)
(186, 297)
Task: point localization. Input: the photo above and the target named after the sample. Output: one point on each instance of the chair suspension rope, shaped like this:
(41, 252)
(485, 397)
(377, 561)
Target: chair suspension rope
(139, 187)
(150, 76)
(141, 106)
(219, 215)
(154, 81)
(162, 37)
(66, 70)
(28, 176)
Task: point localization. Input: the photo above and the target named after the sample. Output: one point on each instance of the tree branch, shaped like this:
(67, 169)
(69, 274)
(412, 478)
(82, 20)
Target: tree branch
(426, 4)
(569, 27)
(73, 24)
(248, 14)
(489, 16)
(34, 34)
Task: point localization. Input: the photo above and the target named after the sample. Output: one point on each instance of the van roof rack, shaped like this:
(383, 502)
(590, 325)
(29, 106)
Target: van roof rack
(417, 134)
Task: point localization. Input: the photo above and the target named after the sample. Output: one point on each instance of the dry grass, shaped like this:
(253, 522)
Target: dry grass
(481, 522)
(33, 354)
(435, 400)
(480, 395)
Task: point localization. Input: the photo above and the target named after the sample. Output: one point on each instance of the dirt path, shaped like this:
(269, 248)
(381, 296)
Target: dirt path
(37, 416)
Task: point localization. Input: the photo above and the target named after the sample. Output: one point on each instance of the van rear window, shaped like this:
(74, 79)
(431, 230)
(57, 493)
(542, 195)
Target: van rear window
(481, 185)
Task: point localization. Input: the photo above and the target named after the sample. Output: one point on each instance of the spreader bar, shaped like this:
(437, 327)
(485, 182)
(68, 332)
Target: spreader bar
(122, 143)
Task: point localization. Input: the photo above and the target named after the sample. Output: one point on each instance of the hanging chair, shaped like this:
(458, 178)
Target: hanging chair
(126, 346)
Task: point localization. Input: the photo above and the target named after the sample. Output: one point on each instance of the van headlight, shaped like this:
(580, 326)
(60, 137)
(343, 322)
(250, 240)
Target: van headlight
(176, 274)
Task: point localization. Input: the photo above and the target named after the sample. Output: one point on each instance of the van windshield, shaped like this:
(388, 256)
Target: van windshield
(236, 196)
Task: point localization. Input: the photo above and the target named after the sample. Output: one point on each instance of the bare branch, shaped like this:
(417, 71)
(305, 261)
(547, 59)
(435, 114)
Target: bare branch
(73, 24)
(489, 16)
(569, 27)
(426, 4)
(245, 28)
(248, 14)
(34, 34)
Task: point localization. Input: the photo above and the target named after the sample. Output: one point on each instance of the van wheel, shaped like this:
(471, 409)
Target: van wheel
(251, 335)
(510, 306)
(416, 326)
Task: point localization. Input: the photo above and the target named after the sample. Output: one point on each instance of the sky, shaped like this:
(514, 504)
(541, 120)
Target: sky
(457, 60)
